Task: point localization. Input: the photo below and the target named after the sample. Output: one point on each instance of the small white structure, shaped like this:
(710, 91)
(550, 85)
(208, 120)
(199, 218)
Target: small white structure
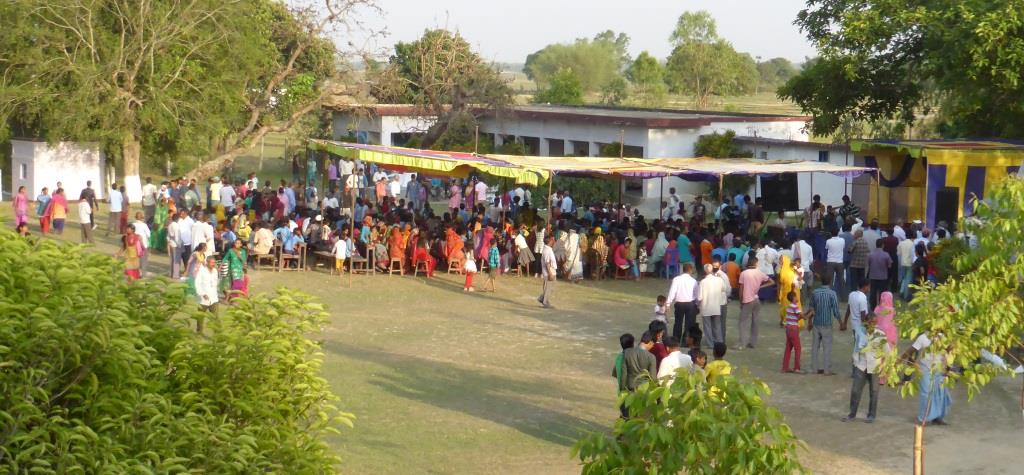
(830, 187)
(37, 164)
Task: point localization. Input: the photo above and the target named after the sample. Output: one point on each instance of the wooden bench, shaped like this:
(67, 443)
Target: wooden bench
(361, 265)
(326, 258)
(299, 258)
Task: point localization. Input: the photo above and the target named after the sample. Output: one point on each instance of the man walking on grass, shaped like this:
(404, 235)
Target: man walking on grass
(549, 271)
(869, 344)
(752, 280)
(634, 366)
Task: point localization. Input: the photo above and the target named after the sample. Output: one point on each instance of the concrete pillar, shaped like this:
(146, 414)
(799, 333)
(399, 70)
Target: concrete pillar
(595, 149)
(542, 149)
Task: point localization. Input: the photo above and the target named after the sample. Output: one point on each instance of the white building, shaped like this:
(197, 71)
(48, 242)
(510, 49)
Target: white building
(37, 164)
(830, 187)
(581, 131)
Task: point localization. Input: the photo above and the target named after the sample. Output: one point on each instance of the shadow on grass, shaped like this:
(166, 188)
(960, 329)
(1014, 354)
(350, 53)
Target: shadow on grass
(478, 394)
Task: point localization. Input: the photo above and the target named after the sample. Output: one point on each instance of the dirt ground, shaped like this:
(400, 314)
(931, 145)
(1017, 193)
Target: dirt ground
(443, 381)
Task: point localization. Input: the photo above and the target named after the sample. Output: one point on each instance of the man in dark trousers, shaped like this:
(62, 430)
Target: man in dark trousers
(634, 366)
(89, 195)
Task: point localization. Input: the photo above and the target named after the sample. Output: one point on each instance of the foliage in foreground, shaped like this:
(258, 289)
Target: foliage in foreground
(101, 376)
(691, 426)
(981, 305)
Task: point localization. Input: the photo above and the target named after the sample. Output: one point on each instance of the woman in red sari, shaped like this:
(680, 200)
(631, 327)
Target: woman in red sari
(132, 251)
(396, 245)
(421, 252)
(453, 250)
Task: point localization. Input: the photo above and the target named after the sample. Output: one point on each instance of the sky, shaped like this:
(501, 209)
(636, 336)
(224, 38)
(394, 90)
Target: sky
(508, 31)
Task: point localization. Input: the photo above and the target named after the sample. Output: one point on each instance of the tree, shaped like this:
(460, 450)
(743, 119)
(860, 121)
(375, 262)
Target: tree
(647, 76)
(166, 77)
(718, 145)
(776, 71)
(104, 376)
(615, 92)
(704, 65)
(880, 60)
(442, 75)
(979, 305)
(563, 88)
(694, 427)
(597, 62)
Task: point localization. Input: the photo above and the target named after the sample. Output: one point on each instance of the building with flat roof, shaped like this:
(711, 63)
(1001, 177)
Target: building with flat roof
(830, 187)
(548, 130)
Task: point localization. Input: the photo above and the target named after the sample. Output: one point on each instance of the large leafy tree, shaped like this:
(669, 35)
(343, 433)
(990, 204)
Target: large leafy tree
(199, 77)
(647, 77)
(98, 375)
(882, 60)
(441, 74)
(563, 88)
(704, 65)
(776, 71)
(598, 62)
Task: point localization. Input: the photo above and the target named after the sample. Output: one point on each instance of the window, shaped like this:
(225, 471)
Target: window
(823, 156)
(764, 155)
(23, 171)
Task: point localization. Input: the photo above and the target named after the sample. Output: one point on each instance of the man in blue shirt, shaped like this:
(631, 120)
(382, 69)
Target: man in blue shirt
(293, 240)
(824, 309)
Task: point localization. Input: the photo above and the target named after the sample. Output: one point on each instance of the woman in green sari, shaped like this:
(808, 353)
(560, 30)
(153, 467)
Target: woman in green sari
(236, 258)
(158, 238)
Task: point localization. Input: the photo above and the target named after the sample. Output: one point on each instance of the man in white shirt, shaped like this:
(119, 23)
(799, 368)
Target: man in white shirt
(379, 175)
(227, 197)
(395, 187)
(567, 205)
(858, 309)
(682, 295)
(549, 271)
(767, 259)
(173, 239)
(213, 195)
(143, 232)
(202, 232)
(116, 200)
(898, 231)
(712, 295)
(481, 191)
(149, 197)
(905, 257)
(84, 217)
(520, 193)
(341, 253)
(206, 282)
(673, 200)
(673, 361)
(835, 273)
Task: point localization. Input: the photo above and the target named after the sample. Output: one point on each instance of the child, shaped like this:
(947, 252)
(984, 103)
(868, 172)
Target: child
(700, 360)
(794, 320)
(470, 268)
(493, 264)
(660, 310)
(719, 367)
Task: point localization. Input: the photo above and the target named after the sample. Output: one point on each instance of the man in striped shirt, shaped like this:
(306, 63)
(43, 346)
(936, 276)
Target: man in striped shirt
(824, 309)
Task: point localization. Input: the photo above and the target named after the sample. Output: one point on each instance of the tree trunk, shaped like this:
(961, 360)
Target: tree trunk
(919, 449)
(130, 150)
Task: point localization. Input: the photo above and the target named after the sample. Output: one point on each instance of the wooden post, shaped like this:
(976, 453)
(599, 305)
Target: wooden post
(918, 449)
(551, 179)
(622, 152)
(262, 140)
(812, 188)
(721, 187)
(878, 194)
(476, 140)
(661, 199)
(351, 235)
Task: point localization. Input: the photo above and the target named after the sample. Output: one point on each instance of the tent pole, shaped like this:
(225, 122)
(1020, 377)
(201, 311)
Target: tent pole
(551, 179)
(351, 235)
(476, 140)
(661, 199)
(878, 194)
(721, 186)
(622, 150)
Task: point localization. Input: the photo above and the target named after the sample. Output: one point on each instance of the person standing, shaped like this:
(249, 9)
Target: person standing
(752, 280)
(794, 320)
(89, 195)
(682, 295)
(41, 203)
(633, 366)
(116, 200)
(480, 189)
(236, 258)
(85, 218)
(173, 241)
(143, 233)
(716, 268)
(20, 203)
(149, 198)
(227, 197)
(184, 247)
(905, 256)
(879, 262)
(712, 294)
(132, 251)
(835, 275)
(869, 344)
(332, 176)
(549, 272)
(57, 210)
(825, 309)
(207, 283)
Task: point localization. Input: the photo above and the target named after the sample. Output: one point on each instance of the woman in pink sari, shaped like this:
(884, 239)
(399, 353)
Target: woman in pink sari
(20, 203)
(885, 313)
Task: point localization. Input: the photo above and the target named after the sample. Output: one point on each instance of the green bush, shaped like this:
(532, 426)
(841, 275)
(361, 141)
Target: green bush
(101, 376)
(696, 428)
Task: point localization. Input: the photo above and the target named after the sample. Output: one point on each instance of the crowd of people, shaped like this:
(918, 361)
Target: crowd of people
(731, 251)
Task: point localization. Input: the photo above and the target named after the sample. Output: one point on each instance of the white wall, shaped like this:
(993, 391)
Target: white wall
(70, 163)
(829, 186)
(402, 125)
(565, 130)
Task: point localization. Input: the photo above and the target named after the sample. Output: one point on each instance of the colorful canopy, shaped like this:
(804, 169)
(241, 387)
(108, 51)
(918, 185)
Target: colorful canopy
(533, 170)
(982, 153)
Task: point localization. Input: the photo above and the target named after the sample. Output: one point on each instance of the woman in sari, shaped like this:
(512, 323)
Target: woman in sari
(132, 250)
(126, 210)
(598, 254)
(158, 238)
(885, 312)
(41, 204)
(788, 282)
(657, 257)
(20, 203)
(573, 259)
(240, 225)
(396, 245)
(57, 211)
(453, 248)
(195, 261)
(631, 248)
(236, 258)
